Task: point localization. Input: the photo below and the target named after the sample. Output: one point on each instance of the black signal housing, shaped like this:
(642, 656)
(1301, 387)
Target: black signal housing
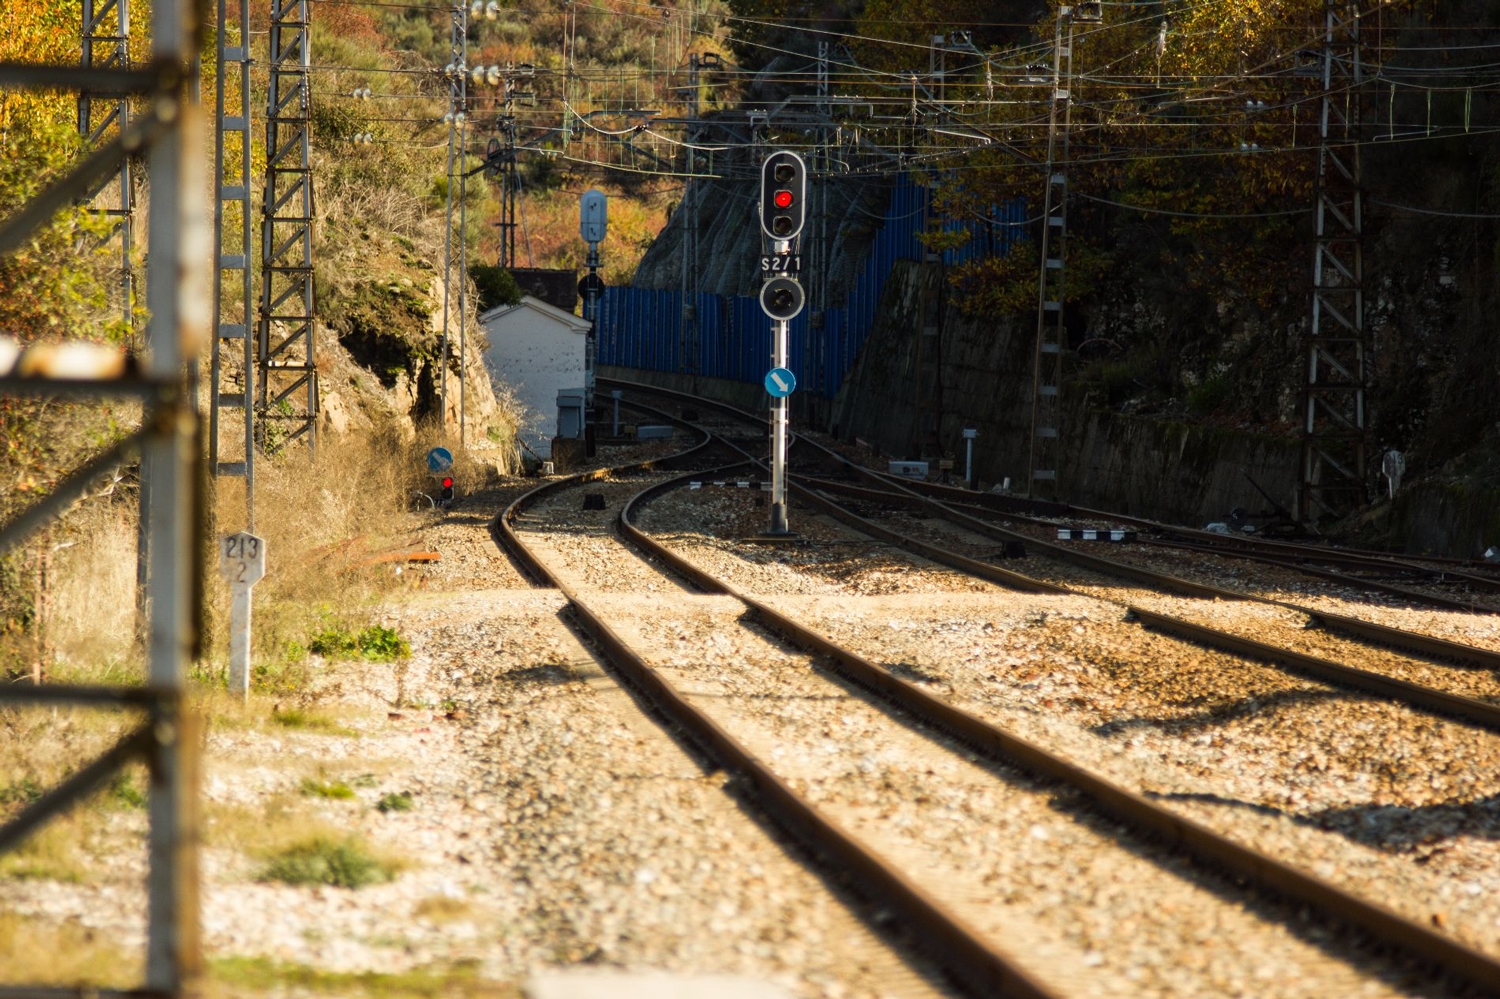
(781, 298)
(783, 195)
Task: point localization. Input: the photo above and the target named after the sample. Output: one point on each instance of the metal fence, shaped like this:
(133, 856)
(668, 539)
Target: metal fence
(645, 327)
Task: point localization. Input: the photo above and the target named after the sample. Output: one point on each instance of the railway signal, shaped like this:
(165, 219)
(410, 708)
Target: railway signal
(783, 195)
(782, 298)
(783, 212)
(445, 497)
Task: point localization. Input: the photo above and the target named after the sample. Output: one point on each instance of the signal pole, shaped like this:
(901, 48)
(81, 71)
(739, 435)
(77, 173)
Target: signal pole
(593, 223)
(783, 212)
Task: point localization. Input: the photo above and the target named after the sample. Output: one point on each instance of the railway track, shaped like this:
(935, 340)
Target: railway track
(1426, 671)
(744, 718)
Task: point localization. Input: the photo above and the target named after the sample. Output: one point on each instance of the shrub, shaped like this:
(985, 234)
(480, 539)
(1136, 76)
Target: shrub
(336, 790)
(321, 861)
(400, 801)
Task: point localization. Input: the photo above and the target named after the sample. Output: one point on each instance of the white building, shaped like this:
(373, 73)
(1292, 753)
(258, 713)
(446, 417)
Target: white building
(537, 349)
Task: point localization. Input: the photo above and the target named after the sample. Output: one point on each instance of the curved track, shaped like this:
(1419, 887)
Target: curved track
(1292, 656)
(982, 967)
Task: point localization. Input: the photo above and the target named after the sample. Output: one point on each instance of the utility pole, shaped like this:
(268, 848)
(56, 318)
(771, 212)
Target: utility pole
(288, 375)
(231, 208)
(1051, 334)
(1335, 420)
(458, 76)
(106, 45)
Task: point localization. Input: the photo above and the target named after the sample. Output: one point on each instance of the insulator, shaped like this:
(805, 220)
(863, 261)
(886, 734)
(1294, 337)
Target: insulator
(448, 117)
(476, 75)
(492, 10)
(492, 76)
(476, 9)
(448, 69)
(458, 119)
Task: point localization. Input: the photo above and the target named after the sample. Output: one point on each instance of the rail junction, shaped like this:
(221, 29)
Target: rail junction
(890, 769)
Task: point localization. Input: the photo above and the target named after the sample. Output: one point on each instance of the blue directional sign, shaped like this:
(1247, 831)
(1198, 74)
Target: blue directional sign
(439, 459)
(780, 383)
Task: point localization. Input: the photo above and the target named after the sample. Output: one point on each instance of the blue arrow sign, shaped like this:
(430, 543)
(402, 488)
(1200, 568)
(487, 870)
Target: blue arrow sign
(439, 459)
(780, 383)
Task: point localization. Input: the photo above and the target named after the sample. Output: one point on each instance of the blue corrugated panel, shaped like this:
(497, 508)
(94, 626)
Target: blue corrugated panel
(644, 328)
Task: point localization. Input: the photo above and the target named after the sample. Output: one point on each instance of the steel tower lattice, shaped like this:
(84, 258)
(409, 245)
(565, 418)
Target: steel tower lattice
(287, 404)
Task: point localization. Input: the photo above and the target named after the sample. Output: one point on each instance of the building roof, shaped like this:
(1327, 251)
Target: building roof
(576, 323)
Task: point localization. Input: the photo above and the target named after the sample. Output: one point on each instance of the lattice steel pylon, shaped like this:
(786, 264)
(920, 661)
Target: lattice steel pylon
(1051, 335)
(287, 403)
(106, 45)
(1333, 433)
(167, 132)
(233, 282)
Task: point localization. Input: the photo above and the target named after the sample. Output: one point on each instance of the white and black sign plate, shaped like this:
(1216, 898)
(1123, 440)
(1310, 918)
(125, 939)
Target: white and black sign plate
(790, 263)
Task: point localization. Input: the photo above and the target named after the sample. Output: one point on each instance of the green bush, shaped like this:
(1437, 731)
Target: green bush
(322, 861)
(374, 643)
(495, 285)
(400, 801)
(337, 790)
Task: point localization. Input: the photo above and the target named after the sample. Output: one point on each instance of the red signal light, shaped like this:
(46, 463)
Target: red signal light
(447, 483)
(783, 199)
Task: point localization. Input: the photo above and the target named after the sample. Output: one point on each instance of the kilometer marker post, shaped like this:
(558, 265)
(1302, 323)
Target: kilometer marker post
(242, 563)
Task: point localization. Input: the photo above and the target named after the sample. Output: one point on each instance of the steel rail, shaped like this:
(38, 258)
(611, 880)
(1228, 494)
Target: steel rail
(1027, 505)
(1295, 562)
(1416, 696)
(1366, 632)
(956, 946)
(1359, 582)
(1205, 845)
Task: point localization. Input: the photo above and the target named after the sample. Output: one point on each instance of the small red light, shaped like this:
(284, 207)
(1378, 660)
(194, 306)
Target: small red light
(783, 199)
(447, 483)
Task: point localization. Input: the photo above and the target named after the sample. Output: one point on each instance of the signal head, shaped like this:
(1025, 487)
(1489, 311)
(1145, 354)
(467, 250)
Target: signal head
(783, 189)
(781, 298)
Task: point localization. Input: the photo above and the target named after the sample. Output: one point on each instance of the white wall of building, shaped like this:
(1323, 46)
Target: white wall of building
(537, 350)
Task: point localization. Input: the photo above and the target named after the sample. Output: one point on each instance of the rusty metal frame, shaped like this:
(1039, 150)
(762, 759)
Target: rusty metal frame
(176, 295)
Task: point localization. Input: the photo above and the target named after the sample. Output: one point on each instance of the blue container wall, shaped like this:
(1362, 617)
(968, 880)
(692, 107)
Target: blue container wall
(644, 327)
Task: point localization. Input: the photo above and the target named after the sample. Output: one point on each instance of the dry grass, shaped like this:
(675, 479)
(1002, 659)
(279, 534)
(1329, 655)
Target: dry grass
(320, 521)
(32, 951)
(93, 593)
